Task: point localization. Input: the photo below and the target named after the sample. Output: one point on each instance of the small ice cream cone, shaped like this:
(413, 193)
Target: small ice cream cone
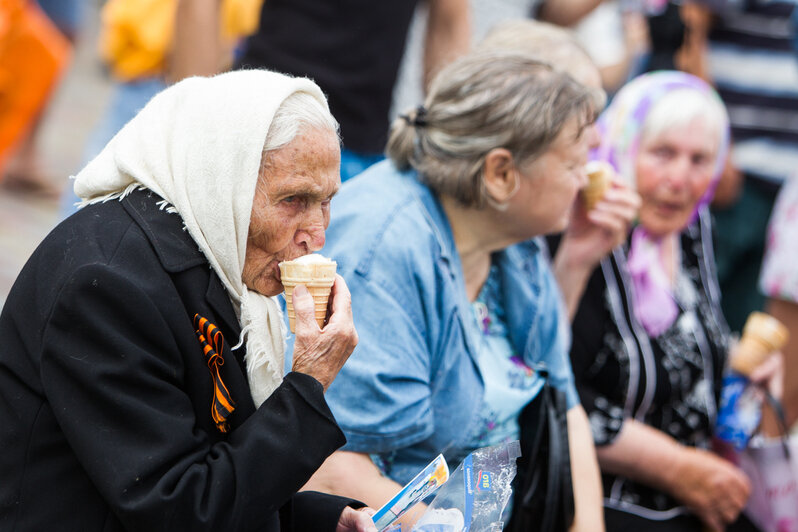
(599, 174)
(317, 273)
(762, 335)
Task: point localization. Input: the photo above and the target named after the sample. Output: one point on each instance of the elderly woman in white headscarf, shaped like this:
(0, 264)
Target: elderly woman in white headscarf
(141, 375)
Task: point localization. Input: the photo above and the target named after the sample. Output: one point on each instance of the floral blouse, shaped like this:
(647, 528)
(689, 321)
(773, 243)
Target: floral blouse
(671, 382)
(780, 267)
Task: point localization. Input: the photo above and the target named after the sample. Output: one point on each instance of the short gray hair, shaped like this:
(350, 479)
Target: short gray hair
(482, 101)
(681, 106)
(301, 110)
(549, 43)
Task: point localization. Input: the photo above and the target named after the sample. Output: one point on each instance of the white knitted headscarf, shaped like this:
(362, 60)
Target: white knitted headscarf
(198, 144)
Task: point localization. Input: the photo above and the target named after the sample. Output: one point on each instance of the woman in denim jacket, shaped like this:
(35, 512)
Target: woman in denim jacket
(455, 306)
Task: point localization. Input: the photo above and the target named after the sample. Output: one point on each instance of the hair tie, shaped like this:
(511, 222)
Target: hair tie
(419, 120)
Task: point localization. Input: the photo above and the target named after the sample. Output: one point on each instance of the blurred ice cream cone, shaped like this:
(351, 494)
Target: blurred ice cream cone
(317, 273)
(599, 174)
(762, 335)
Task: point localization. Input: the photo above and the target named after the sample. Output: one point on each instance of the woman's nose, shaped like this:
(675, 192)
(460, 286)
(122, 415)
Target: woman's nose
(678, 172)
(311, 231)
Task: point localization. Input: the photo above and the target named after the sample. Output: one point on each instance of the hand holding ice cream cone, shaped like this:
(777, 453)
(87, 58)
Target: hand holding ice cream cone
(322, 353)
(763, 335)
(317, 274)
(599, 174)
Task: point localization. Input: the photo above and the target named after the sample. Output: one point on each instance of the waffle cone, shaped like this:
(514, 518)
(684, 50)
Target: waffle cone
(318, 278)
(762, 335)
(599, 176)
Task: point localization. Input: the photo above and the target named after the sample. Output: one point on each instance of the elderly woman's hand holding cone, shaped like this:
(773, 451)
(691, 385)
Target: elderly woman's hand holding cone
(322, 353)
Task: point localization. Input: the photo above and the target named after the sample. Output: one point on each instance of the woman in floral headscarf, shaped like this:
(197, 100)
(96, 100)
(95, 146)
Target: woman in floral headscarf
(650, 342)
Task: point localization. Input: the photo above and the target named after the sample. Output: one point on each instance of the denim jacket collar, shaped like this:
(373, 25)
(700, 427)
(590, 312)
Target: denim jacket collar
(519, 270)
(445, 235)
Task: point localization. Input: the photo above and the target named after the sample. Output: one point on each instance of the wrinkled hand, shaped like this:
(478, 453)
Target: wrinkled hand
(770, 375)
(321, 353)
(356, 520)
(714, 489)
(591, 235)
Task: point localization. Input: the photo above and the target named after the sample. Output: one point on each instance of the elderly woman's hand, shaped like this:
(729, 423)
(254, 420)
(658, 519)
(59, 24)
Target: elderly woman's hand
(714, 489)
(321, 353)
(356, 520)
(592, 234)
(770, 375)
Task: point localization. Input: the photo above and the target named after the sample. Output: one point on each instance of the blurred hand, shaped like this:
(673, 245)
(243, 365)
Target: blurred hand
(636, 34)
(770, 375)
(591, 235)
(356, 520)
(714, 489)
(321, 353)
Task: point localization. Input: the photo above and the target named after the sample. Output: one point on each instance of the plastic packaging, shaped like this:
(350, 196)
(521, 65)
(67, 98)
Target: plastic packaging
(740, 411)
(422, 486)
(476, 494)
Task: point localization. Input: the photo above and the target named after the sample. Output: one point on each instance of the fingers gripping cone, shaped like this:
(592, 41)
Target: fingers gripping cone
(762, 335)
(317, 273)
(599, 176)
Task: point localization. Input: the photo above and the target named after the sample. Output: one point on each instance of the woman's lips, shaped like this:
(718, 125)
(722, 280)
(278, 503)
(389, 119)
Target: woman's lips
(669, 209)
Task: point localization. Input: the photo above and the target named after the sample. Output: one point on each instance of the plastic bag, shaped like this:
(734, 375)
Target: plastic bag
(423, 485)
(476, 494)
(772, 467)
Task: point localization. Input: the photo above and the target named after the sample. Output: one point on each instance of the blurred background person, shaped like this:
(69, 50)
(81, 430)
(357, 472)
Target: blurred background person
(779, 283)
(617, 39)
(753, 63)
(415, 73)
(33, 56)
(67, 15)
(353, 50)
(454, 322)
(649, 339)
(147, 44)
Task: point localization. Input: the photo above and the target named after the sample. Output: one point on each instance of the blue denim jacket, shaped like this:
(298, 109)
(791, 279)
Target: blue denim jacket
(411, 389)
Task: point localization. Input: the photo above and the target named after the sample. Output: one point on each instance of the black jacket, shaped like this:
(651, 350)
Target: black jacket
(105, 395)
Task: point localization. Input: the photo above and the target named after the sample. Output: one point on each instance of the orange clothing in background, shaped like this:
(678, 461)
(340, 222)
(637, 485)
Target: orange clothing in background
(33, 55)
(136, 34)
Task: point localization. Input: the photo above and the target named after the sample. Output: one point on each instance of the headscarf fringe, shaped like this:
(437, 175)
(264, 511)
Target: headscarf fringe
(118, 195)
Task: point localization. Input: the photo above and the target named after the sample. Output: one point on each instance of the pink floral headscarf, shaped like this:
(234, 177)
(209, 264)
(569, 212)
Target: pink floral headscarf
(621, 126)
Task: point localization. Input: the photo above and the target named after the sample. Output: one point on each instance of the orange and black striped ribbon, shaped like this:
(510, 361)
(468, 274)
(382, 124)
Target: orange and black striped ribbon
(212, 343)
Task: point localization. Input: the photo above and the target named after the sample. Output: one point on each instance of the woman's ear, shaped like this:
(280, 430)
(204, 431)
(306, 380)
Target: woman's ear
(500, 175)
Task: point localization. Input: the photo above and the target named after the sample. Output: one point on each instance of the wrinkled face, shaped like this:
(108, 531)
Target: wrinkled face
(674, 170)
(548, 186)
(291, 208)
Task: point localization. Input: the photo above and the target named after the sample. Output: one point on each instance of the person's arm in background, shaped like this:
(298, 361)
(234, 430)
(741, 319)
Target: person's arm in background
(565, 12)
(714, 489)
(448, 34)
(196, 49)
(787, 313)
(589, 511)
(636, 45)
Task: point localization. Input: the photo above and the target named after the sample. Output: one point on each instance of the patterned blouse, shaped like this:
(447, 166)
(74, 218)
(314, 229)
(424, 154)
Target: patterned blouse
(780, 267)
(671, 382)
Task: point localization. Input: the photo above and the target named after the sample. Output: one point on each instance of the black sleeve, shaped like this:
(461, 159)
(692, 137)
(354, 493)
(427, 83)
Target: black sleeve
(112, 372)
(595, 366)
(311, 511)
